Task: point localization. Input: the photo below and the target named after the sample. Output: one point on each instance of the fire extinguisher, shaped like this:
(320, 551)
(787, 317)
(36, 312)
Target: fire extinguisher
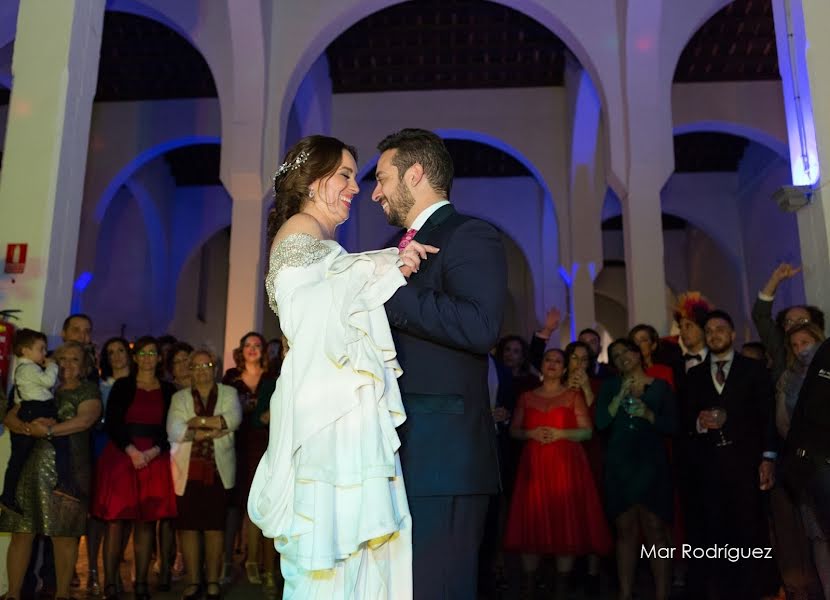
(6, 344)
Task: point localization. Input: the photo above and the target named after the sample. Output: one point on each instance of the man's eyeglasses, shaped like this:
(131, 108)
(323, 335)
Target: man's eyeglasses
(202, 366)
(143, 353)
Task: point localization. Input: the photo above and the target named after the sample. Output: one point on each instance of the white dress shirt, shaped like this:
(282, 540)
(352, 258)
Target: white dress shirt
(33, 382)
(693, 362)
(728, 357)
(427, 213)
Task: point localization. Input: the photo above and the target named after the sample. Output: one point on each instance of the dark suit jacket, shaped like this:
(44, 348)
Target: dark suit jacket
(445, 321)
(748, 400)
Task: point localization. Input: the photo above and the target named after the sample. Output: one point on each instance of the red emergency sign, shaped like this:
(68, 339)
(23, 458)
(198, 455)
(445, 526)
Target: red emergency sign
(15, 258)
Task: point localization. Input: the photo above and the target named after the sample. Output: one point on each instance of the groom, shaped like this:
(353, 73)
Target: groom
(445, 321)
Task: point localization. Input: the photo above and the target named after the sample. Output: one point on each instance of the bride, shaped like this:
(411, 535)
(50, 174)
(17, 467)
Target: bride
(329, 489)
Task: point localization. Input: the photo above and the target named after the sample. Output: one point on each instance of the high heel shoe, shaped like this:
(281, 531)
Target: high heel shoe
(213, 596)
(252, 572)
(193, 591)
(92, 586)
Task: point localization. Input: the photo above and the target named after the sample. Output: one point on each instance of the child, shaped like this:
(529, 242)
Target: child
(33, 393)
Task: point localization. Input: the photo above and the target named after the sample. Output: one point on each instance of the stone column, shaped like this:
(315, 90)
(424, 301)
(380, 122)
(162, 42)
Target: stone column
(803, 50)
(55, 66)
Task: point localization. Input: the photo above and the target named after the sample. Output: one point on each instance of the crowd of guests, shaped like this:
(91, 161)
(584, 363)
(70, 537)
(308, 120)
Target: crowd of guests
(138, 444)
(686, 453)
(679, 453)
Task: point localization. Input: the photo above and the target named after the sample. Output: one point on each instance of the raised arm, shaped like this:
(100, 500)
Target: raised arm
(467, 314)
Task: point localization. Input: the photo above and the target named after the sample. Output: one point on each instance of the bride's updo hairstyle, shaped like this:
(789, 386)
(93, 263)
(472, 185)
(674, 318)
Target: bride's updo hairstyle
(312, 158)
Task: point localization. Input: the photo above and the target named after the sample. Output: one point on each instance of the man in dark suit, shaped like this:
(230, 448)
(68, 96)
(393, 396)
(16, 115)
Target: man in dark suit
(445, 321)
(731, 399)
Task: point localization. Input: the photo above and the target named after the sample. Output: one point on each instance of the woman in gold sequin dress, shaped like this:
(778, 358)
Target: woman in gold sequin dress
(329, 489)
(44, 513)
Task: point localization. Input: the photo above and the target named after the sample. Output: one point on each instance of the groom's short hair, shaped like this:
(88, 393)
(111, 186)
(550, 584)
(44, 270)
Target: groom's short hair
(427, 149)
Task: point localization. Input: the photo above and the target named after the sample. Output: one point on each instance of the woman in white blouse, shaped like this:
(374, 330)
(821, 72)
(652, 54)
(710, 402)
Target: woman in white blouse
(200, 426)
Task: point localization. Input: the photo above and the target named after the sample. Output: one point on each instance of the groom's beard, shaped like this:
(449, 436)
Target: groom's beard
(399, 205)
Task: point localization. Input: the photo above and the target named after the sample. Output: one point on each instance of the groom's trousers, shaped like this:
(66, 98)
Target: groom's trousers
(446, 536)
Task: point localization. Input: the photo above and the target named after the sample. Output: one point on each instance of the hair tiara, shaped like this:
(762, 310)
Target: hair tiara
(292, 165)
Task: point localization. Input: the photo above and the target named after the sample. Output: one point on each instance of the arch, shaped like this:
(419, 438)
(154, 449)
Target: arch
(488, 140)
(142, 159)
(688, 19)
(753, 134)
(347, 14)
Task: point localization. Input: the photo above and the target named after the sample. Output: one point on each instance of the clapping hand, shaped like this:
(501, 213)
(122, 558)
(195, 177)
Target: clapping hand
(578, 380)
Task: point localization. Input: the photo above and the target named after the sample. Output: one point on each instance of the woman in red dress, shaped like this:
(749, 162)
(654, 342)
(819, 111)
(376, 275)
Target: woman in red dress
(555, 508)
(134, 481)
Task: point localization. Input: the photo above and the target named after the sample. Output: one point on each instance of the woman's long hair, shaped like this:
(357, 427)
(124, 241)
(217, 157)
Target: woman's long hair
(310, 159)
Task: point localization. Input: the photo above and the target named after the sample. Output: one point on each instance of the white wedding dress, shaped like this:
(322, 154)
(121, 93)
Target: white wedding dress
(329, 489)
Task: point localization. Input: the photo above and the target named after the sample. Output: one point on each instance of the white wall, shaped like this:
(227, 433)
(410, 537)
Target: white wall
(530, 120)
(185, 325)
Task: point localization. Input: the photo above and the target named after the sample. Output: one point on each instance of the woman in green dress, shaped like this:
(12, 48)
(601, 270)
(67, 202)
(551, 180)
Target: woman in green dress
(45, 513)
(639, 412)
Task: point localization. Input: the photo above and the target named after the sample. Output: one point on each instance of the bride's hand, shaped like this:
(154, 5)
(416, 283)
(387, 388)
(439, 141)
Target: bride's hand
(413, 255)
(421, 250)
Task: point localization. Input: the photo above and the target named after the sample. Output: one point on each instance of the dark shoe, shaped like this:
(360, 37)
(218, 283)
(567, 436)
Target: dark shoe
(164, 583)
(141, 591)
(111, 592)
(592, 586)
(214, 591)
(193, 592)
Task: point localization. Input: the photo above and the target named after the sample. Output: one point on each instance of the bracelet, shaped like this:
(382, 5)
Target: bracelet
(49, 433)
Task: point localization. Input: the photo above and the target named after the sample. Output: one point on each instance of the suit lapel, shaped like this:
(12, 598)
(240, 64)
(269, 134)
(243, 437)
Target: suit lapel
(435, 219)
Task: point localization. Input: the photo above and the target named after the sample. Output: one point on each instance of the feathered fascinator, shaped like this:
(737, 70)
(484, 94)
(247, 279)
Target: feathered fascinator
(693, 306)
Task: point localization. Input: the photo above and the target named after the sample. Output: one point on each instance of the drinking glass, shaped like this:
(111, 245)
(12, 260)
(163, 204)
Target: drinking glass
(719, 415)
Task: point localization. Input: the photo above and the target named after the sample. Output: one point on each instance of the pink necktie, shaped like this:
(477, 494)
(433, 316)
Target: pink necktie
(406, 239)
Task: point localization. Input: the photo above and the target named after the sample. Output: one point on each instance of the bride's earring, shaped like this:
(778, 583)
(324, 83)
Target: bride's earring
(311, 193)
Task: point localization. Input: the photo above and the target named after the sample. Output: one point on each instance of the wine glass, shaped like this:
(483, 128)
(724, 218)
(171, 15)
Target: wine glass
(628, 406)
(718, 413)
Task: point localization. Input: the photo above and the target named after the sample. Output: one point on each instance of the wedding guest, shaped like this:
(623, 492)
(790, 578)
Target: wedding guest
(578, 362)
(116, 363)
(802, 549)
(805, 461)
(648, 341)
(34, 377)
(177, 366)
(731, 401)
(555, 507)
(200, 427)
(249, 374)
(772, 331)
(44, 513)
(134, 481)
(639, 411)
